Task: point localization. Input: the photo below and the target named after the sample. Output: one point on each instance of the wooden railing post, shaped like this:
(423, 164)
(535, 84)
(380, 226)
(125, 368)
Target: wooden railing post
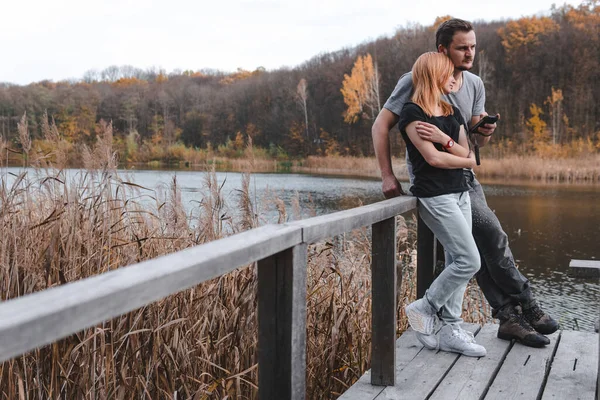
(282, 325)
(383, 272)
(426, 257)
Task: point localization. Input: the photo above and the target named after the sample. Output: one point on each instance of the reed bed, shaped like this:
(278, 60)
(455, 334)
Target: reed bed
(583, 169)
(350, 166)
(497, 164)
(196, 344)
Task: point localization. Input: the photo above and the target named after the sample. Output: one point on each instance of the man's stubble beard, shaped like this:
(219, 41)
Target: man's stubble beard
(462, 68)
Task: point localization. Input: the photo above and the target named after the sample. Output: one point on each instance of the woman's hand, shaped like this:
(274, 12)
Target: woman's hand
(431, 133)
(472, 158)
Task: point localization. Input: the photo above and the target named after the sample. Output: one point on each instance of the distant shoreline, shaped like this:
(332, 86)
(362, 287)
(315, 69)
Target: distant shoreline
(509, 170)
(513, 170)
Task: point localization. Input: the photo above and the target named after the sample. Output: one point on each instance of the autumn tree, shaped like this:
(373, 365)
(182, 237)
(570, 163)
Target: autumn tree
(554, 102)
(485, 67)
(241, 74)
(527, 66)
(24, 137)
(361, 90)
(525, 33)
(581, 39)
(520, 62)
(301, 97)
(295, 140)
(537, 127)
(193, 129)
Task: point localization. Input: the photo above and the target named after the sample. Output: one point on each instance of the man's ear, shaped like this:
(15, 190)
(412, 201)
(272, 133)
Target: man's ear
(442, 49)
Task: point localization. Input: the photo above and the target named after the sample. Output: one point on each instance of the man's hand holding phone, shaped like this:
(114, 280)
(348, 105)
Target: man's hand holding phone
(483, 129)
(486, 125)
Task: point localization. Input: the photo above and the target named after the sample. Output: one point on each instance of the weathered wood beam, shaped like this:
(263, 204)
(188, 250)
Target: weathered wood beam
(282, 325)
(329, 225)
(383, 272)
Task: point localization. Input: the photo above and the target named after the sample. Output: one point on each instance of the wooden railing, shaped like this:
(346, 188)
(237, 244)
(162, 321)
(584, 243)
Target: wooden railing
(41, 318)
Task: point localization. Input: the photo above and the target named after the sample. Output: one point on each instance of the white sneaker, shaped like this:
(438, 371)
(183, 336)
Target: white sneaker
(430, 342)
(421, 316)
(455, 339)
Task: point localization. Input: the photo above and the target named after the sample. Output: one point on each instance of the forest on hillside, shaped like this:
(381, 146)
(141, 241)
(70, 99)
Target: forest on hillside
(541, 74)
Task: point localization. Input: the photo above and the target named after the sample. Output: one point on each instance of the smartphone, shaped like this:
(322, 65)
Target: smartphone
(488, 119)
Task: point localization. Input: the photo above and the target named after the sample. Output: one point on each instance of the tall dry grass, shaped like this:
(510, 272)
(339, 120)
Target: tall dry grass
(197, 344)
(351, 166)
(555, 166)
(575, 161)
(535, 168)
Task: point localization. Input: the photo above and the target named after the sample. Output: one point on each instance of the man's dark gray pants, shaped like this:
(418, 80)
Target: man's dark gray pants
(498, 278)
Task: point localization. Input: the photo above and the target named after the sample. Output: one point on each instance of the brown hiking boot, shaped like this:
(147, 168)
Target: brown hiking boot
(514, 326)
(541, 322)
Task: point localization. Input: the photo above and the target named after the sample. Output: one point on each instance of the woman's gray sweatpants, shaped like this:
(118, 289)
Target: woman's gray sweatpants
(449, 218)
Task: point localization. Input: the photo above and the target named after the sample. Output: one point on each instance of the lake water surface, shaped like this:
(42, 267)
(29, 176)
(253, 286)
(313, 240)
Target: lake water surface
(548, 225)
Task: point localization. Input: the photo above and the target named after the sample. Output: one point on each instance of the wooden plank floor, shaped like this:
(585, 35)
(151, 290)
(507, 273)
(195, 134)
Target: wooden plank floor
(565, 369)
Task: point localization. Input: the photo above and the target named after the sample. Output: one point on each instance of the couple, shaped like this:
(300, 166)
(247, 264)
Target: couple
(433, 106)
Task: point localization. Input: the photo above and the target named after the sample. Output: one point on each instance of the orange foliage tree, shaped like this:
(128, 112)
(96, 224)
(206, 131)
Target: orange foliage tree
(518, 35)
(537, 127)
(241, 74)
(361, 90)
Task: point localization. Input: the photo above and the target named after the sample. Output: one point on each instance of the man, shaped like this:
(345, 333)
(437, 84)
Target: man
(505, 288)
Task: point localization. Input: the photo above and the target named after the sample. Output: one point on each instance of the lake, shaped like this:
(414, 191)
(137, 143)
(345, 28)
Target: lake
(548, 225)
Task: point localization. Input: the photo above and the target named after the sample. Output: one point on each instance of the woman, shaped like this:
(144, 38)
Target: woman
(438, 150)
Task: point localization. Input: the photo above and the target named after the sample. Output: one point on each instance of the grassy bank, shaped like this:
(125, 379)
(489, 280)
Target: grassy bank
(522, 168)
(576, 161)
(200, 343)
(584, 169)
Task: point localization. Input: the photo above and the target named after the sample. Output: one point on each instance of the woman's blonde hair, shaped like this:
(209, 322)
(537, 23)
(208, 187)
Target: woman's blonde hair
(429, 75)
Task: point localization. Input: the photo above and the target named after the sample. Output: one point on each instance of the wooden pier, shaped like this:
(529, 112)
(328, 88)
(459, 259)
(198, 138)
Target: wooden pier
(564, 370)
(401, 368)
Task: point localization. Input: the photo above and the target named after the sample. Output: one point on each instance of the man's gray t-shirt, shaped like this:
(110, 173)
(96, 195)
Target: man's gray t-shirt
(470, 100)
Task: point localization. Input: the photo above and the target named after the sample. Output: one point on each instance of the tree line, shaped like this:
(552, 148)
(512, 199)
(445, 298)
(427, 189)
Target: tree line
(541, 74)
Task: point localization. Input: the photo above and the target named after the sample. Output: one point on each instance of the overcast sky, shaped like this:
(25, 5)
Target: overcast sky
(62, 39)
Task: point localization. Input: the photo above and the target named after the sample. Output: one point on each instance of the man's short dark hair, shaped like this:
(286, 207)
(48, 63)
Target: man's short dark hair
(447, 29)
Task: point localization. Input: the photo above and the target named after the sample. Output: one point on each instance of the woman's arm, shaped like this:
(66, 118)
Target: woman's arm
(433, 134)
(435, 158)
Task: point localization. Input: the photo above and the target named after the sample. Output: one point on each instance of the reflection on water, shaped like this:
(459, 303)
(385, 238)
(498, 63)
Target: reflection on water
(322, 194)
(547, 225)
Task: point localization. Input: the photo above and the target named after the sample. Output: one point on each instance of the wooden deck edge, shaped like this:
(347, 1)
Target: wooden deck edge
(497, 369)
(362, 388)
(549, 365)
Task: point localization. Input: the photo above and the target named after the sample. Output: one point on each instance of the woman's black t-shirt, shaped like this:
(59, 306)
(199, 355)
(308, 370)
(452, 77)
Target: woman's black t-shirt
(431, 181)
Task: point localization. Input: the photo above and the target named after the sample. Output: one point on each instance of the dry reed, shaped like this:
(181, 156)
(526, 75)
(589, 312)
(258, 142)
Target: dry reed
(534, 168)
(584, 168)
(576, 161)
(197, 344)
